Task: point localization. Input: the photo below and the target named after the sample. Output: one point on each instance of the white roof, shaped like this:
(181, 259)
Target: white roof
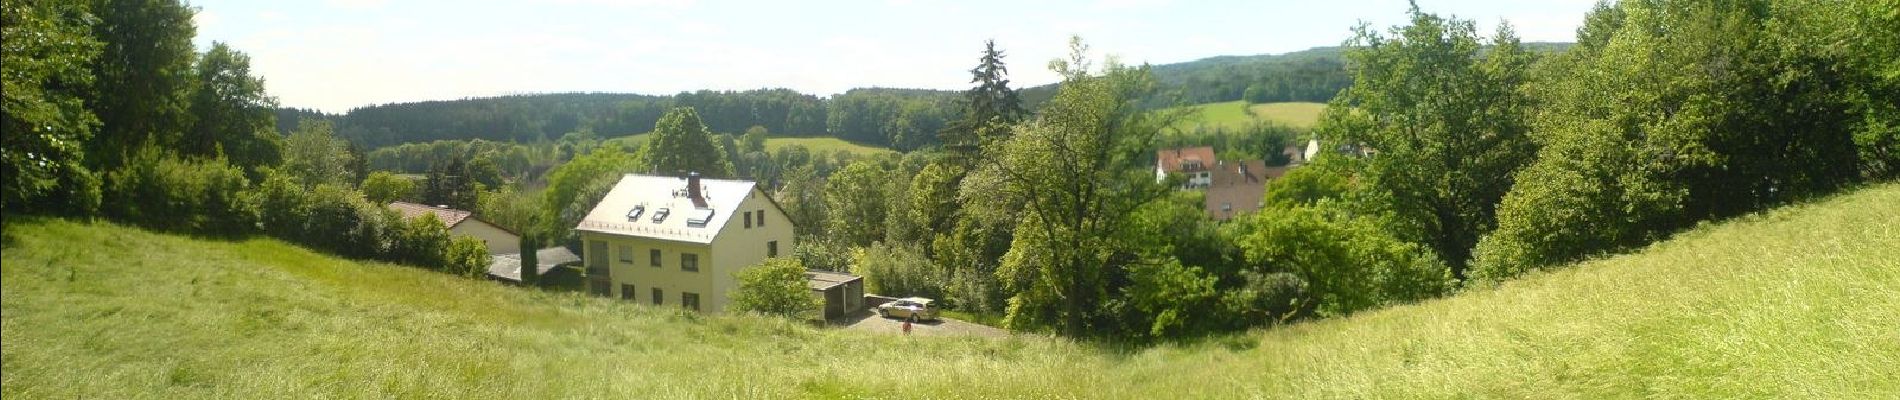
(655, 193)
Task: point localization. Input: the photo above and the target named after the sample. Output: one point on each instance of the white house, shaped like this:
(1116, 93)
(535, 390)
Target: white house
(664, 240)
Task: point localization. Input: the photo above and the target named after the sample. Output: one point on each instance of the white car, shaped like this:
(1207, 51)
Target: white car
(907, 307)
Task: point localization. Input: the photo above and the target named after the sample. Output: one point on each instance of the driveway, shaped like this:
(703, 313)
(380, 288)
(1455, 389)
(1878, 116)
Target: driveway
(868, 320)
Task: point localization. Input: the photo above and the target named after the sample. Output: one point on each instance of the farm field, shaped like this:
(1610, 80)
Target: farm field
(1233, 115)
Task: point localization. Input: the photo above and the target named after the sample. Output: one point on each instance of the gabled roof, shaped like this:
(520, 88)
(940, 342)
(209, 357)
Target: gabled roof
(1176, 160)
(684, 221)
(449, 216)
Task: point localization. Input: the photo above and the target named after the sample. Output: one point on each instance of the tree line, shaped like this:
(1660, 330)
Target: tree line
(110, 112)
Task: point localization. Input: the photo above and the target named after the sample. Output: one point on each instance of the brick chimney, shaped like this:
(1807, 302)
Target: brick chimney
(692, 190)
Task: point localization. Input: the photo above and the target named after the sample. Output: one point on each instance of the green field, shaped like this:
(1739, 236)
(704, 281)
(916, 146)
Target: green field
(824, 144)
(1233, 115)
(817, 144)
(1796, 303)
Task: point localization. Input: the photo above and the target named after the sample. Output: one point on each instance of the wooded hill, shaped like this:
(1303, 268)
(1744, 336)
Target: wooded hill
(903, 119)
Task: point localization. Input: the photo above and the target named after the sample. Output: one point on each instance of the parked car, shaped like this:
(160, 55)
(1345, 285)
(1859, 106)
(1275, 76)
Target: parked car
(923, 308)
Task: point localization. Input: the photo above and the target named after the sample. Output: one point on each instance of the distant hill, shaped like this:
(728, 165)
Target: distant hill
(889, 117)
(1792, 303)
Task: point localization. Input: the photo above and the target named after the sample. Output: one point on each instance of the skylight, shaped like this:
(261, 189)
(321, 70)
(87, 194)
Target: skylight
(700, 218)
(661, 214)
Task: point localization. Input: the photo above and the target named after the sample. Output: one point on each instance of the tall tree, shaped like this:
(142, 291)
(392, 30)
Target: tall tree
(1078, 170)
(144, 76)
(450, 183)
(1447, 120)
(47, 48)
(990, 108)
(681, 144)
(316, 156)
(231, 114)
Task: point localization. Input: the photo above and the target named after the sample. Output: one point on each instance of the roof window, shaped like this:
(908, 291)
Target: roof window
(634, 214)
(661, 214)
(699, 218)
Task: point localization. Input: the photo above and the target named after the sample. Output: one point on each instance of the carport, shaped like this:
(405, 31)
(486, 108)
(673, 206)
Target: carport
(841, 294)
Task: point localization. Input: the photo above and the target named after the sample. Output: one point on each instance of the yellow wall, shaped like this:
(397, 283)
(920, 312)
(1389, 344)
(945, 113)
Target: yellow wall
(734, 248)
(499, 241)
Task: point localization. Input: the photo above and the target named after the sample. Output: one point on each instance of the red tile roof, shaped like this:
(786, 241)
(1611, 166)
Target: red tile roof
(1186, 159)
(449, 216)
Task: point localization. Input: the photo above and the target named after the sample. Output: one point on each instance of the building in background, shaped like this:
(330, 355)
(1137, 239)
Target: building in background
(464, 223)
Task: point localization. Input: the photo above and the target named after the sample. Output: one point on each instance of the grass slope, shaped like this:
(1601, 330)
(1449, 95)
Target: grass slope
(1799, 302)
(817, 144)
(1233, 115)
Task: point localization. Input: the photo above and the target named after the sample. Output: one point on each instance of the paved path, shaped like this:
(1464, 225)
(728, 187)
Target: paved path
(868, 320)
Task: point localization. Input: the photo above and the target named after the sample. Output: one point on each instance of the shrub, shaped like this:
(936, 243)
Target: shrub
(898, 270)
(166, 193)
(775, 286)
(467, 256)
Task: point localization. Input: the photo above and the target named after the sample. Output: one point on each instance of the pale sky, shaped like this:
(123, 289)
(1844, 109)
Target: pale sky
(335, 55)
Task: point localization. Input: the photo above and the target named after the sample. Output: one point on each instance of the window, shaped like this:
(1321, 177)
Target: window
(659, 297)
(771, 249)
(653, 257)
(689, 262)
(661, 214)
(689, 301)
(626, 254)
(761, 218)
(626, 291)
(748, 220)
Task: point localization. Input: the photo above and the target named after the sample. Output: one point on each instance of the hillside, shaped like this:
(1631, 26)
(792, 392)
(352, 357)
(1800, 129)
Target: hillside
(1238, 115)
(1797, 302)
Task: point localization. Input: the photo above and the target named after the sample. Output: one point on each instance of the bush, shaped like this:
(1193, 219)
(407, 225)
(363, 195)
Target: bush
(1348, 263)
(421, 241)
(775, 286)
(1277, 297)
(898, 270)
(467, 256)
(382, 187)
(166, 193)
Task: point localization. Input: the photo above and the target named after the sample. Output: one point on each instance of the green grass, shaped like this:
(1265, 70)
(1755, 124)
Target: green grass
(1233, 115)
(816, 144)
(824, 144)
(1795, 303)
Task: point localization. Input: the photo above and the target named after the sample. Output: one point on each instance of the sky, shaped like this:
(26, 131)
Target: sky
(334, 55)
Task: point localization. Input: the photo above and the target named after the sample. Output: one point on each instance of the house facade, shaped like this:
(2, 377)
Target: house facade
(676, 241)
(464, 223)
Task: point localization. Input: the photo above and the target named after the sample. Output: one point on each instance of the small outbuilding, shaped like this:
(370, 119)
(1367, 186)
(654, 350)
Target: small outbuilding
(507, 267)
(464, 223)
(841, 294)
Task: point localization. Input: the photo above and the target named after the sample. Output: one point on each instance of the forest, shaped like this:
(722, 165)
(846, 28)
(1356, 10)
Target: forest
(1483, 158)
(903, 119)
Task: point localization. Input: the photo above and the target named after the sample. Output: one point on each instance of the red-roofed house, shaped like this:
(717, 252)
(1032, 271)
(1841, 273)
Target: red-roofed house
(460, 222)
(1196, 163)
(1239, 187)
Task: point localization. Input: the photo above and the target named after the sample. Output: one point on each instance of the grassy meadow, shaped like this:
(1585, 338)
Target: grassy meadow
(1795, 303)
(1234, 115)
